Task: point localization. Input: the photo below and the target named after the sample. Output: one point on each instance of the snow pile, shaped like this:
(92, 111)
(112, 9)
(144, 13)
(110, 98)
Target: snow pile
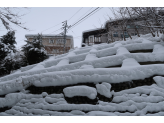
(158, 48)
(130, 62)
(104, 89)
(80, 91)
(122, 50)
(159, 80)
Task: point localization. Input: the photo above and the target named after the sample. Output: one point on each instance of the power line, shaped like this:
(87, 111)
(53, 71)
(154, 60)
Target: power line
(75, 13)
(85, 12)
(51, 27)
(85, 16)
(90, 14)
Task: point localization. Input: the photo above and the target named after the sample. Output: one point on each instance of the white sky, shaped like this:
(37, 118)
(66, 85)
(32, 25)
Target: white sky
(42, 18)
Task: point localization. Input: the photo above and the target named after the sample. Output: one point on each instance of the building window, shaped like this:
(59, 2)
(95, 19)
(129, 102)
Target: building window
(91, 39)
(60, 41)
(125, 35)
(115, 34)
(51, 41)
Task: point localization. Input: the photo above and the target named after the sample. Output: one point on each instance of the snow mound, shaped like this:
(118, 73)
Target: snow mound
(104, 89)
(90, 92)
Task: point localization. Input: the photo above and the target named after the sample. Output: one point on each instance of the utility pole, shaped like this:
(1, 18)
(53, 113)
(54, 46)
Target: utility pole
(65, 31)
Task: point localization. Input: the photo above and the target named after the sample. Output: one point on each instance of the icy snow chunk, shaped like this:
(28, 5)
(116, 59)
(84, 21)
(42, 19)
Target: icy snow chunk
(86, 67)
(63, 62)
(158, 48)
(90, 57)
(44, 94)
(129, 62)
(104, 89)
(159, 80)
(118, 45)
(122, 50)
(90, 92)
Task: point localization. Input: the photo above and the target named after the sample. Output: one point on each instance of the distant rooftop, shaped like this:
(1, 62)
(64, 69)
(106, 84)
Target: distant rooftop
(46, 35)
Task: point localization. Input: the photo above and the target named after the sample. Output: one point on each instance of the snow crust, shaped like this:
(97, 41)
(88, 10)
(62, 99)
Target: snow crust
(90, 92)
(91, 65)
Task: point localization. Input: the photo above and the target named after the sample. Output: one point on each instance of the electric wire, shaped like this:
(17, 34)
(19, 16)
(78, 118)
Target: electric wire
(75, 14)
(84, 19)
(84, 16)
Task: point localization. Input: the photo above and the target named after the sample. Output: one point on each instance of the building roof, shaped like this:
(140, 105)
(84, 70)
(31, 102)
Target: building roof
(47, 35)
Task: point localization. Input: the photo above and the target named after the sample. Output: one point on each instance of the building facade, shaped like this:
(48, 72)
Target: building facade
(114, 31)
(54, 44)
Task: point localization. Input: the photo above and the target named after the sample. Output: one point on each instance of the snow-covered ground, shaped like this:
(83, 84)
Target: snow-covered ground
(102, 66)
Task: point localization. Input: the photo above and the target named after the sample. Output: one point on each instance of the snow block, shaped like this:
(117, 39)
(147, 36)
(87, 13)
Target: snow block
(104, 89)
(80, 91)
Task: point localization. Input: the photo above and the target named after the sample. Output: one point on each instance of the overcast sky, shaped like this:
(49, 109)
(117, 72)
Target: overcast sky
(38, 19)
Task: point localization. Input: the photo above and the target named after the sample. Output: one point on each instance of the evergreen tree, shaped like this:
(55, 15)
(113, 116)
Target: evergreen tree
(9, 39)
(4, 50)
(10, 58)
(34, 51)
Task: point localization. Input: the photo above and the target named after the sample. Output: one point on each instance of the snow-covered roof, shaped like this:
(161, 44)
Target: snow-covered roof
(124, 78)
(47, 35)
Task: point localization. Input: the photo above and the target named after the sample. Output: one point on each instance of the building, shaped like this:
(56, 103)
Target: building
(95, 36)
(54, 44)
(114, 30)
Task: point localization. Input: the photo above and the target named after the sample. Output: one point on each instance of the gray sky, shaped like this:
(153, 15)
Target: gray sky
(38, 19)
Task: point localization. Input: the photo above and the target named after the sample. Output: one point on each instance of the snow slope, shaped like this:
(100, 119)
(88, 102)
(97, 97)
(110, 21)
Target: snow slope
(99, 69)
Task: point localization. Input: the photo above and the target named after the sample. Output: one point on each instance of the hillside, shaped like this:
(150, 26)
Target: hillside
(124, 78)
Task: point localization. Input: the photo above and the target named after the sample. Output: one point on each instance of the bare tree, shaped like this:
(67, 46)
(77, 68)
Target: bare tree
(152, 18)
(11, 15)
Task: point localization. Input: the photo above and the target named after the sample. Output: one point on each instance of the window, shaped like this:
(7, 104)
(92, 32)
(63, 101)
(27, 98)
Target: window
(51, 41)
(115, 34)
(91, 39)
(125, 35)
(60, 41)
